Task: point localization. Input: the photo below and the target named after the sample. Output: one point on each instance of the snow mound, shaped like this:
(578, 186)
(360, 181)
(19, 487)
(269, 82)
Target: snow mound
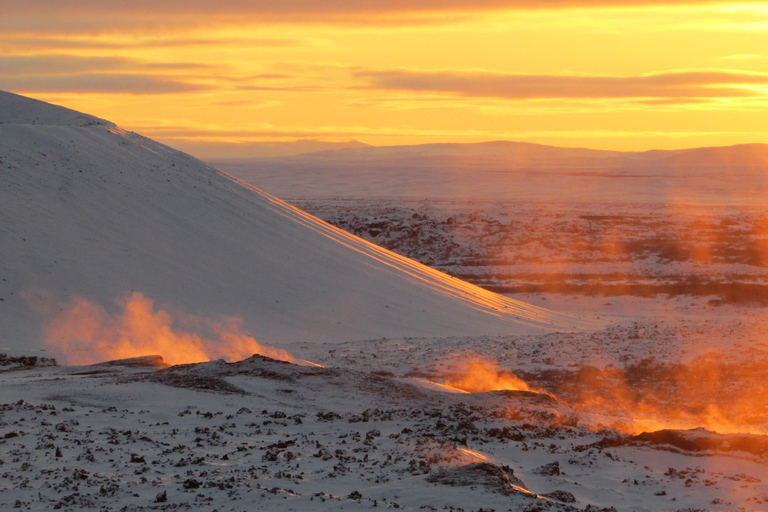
(90, 210)
(215, 376)
(249, 376)
(15, 109)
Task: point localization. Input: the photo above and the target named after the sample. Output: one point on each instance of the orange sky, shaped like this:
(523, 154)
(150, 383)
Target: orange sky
(212, 77)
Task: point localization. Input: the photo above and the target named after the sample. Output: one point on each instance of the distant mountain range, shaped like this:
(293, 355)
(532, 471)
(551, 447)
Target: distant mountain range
(522, 155)
(515, 171)
(268, 149)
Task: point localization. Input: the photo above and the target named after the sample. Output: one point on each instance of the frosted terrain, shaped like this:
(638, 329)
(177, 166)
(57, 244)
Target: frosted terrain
(669, 247)
(267, 435)
(409, 389)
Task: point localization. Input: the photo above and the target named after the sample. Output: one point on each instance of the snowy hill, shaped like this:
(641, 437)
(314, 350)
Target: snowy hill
(94, 211)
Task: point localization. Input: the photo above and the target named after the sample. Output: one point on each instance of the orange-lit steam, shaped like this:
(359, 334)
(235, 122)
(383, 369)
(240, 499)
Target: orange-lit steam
(710, 392)
(87, 334)
(475, 375)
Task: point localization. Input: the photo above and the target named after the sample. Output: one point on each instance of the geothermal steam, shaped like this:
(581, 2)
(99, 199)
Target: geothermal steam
(710, 391)
(475, 375)
(87, 333)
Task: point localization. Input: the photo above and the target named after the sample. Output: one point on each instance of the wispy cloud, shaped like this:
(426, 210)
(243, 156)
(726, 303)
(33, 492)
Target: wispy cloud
(744, 56)
(103, 16)
(61, 73)
(394, 71)
(46, 72)
(26, 43)
(296, 7)
(682, 85)
(58, 64)
(113, 83)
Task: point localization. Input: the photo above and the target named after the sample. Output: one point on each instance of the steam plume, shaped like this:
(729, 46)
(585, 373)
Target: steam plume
(87, 333)
(476, 375)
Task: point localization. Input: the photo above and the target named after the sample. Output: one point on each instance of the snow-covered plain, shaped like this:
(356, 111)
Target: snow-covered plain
(376, 427)
(514, 171)
(267, 435)
(668, 247)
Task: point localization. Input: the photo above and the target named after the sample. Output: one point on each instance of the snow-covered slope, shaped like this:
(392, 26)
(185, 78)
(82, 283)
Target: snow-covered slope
(91, 210)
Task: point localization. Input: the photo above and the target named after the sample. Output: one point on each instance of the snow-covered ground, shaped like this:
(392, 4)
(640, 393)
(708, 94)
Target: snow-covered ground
(109, 239)
(668, 248)
(267, 435)
(596, 248)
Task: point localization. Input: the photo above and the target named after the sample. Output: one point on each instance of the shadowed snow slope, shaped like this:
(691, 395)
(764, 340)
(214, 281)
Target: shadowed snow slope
(89, 209)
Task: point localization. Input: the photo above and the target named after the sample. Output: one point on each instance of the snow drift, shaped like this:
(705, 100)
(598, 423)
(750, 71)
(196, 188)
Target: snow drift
(91, 210)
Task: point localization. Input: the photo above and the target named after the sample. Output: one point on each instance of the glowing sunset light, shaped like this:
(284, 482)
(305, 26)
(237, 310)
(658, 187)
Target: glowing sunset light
(474, 454)
(218, 79)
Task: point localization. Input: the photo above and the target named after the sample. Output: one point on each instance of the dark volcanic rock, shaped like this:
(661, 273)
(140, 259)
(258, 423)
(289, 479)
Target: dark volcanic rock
(699, 440)
(561, 496)
(551, 469)
(490, 476)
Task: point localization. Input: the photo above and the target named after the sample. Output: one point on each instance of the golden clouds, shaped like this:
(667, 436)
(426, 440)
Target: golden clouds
(401, 72)
(683, 86)
(172, 12)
